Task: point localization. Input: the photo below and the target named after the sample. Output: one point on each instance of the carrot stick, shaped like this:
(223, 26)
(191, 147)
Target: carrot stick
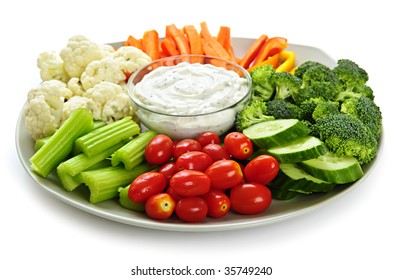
(272, 46)
(194, 39)
(179, 38)
(150, 41)
(212, 43)
(168, 46)
(133, 42)
(253, 51)
(224, 38)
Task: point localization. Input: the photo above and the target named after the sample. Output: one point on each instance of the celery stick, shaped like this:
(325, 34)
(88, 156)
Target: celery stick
(60, 145)
(106, 136)
(104, 183)
(125, 201)
(132, 153)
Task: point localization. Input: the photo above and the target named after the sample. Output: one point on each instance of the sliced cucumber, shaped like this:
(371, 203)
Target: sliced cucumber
(276, 132)
(305, 148)
(125, 201)
(292, 179)
(331, 168)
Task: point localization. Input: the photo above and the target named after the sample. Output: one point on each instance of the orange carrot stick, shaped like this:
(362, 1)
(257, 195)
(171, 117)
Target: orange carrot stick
(272, 46)
(224, 38)
(168, 46)
(150, 41)
(179, 38)
(253, 51)
(131, 41)
(212, 43)
(194, 39)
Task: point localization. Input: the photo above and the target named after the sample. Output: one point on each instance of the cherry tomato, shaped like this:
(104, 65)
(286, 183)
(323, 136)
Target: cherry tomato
(250, 198)
(218, 203)
(173, 194)
(193, 160)
(190, 183)
(224, 174)
(191, 209)
(159, 150)
(208, 137)
(168, 170)
(184, 146)
(238, 145)
(160, 206)
(146, 185)
(216, 152)
(262, 169)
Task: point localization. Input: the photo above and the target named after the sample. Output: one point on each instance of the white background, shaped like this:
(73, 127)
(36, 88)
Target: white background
(355, 237)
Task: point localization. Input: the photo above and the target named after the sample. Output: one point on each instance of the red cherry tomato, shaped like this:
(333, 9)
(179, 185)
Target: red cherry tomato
(194, 160)
(262, 169)
(159, 150)
(218, 203)
(168, 170)
(184, 146)
(160, 206)
(250, 198)
(192, 209)
(238, 145)
(224, 174)
(146, 185)
(173, 194)
(208, 137)
(216, 152)
(190, 183)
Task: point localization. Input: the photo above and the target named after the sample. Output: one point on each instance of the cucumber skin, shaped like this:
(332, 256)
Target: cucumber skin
(345, 175)
(283, 137)
(303, 155)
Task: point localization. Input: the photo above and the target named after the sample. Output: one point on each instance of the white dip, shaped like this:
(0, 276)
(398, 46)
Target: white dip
(190, 89)
(184, 94)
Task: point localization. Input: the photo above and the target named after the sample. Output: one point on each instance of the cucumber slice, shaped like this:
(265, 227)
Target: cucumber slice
(305, 148)
(276, 132)
(338, 170)
(125, 201)
(292, 179)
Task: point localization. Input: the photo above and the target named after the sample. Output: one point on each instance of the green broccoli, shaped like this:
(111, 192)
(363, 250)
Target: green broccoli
(262, 88)
(324, 109)
(305, 66)
(346, 135)
(353, 80)
(365, 110)
(286, 85)
(254, 113)
(281, 109)
(323, 90)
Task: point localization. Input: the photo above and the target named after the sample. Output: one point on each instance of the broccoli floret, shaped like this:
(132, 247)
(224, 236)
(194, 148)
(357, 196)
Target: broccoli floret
(324, 109)
(346, 135)
(263, 87)
(353, 80)
(252, 114)
(286, 85)
(365, 110)
(323, 90)
(304, 67)
(282, 109)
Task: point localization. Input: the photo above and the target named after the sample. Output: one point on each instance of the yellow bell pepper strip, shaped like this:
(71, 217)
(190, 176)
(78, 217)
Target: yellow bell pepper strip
(273, 60)
(287, 59)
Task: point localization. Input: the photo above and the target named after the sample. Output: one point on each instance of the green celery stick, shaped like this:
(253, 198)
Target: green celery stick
(104, 183)
(106, 136)
(132, 153)
(60, 145)
(126, 202)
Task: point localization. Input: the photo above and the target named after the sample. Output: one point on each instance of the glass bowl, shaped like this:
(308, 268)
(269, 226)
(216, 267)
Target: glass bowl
(183, 96)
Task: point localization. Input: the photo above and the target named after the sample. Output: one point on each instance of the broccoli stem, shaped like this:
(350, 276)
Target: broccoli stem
(132, 153)
(106, 136)
(60, 145)
(73, 166)
(104, 183)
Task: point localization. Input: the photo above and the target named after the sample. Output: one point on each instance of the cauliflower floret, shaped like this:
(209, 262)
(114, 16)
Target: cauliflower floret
(115, 67)
(51, 67)
(76, 102)
(79, 52)
(112, 100)
(98, 71)
(74, 84)
(44, 108)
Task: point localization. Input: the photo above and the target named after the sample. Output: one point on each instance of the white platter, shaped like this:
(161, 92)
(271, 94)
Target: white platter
(278, 211)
